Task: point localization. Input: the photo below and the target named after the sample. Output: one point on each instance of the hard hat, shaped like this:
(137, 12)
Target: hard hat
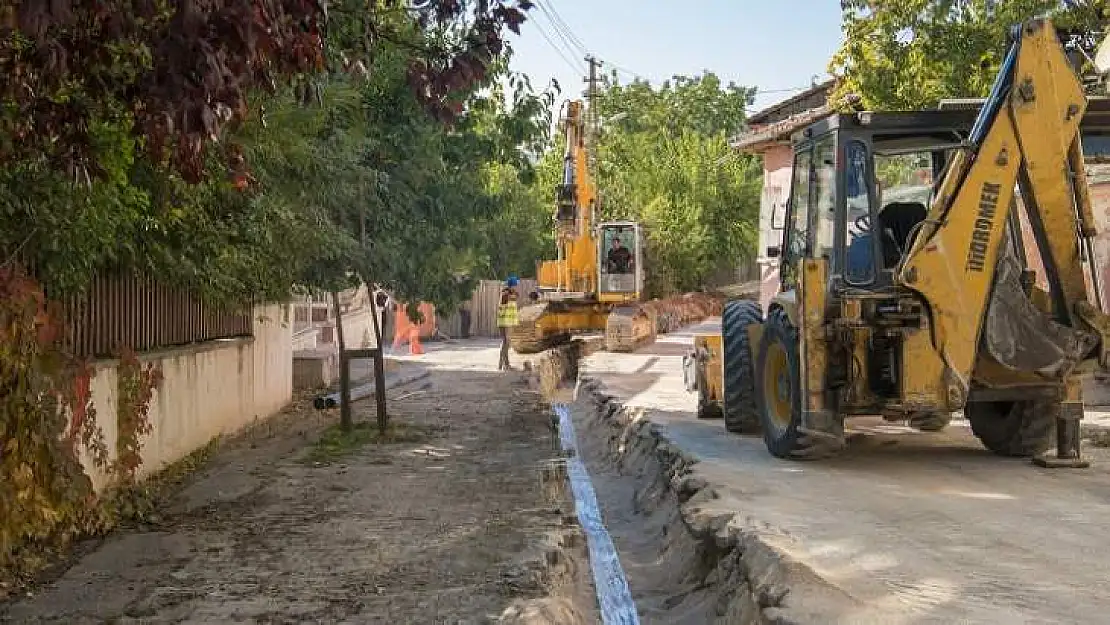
(512, 281)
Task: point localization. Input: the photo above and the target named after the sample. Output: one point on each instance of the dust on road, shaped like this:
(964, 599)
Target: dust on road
(457, 525)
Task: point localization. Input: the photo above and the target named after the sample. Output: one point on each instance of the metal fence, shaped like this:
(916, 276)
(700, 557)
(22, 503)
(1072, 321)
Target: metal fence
(138, 313)
(483, 309)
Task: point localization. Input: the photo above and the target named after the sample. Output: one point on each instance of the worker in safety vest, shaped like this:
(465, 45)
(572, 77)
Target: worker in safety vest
(507, 317)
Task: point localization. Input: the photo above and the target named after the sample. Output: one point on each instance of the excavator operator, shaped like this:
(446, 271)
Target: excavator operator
(619, 258)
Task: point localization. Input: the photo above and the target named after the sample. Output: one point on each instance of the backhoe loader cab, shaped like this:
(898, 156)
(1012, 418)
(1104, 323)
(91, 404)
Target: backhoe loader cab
(905, 283)
(855, 171)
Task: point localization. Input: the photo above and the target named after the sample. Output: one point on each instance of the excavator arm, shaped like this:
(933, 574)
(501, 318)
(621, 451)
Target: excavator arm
(576, 267)
(1026, 140)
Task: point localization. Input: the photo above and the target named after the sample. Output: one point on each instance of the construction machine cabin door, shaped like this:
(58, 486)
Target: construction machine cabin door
(619, 262)
(811, 216)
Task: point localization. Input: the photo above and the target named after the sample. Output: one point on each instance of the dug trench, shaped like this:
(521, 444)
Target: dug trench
(690, 556)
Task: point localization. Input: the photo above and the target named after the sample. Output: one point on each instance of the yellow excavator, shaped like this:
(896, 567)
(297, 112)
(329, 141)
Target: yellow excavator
(596, 281)
(931, 262)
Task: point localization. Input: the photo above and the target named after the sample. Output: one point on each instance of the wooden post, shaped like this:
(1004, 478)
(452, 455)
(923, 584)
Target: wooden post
(344, 369)
(379, 368)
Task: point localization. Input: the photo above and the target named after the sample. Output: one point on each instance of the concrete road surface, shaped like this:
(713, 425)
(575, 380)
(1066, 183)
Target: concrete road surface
(923, 528)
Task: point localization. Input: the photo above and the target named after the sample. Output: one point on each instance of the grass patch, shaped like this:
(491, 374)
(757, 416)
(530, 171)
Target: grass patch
(336, 444)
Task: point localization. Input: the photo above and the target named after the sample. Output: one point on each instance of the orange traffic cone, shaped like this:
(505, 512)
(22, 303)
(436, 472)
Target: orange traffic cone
(415, 347)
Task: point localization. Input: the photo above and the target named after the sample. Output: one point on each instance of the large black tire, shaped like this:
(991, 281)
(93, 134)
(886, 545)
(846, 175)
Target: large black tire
(779, 408)
(740, 413)
(1013, 428)
(779, 341)
(930, 421)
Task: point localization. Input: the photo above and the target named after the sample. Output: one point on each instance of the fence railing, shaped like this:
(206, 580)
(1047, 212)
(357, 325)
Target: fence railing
(483, 309)
(137, 312)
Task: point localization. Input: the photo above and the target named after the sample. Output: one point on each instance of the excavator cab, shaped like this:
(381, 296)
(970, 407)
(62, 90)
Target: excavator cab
(934, 262)
(619, 261)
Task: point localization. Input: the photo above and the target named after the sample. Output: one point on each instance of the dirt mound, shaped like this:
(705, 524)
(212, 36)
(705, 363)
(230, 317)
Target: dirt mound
(689, 558)
(675, 312)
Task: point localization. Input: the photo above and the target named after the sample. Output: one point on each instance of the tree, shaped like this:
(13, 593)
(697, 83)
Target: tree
(664, 160)
(910, 54)
(197, 221)
(179, 72)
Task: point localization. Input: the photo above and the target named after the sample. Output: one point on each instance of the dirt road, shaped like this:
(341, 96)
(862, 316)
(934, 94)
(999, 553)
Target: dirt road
(452, 522)
(917, 528)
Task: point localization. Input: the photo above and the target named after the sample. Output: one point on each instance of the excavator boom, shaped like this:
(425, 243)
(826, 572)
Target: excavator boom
(1025, 140)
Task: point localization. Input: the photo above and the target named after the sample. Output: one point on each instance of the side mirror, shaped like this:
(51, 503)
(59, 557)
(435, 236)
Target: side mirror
(774, 251)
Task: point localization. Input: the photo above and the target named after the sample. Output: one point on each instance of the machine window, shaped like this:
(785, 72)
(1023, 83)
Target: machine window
(860, 257)
(824, 197)
(798, 228)
(905, 184)
(619, 244)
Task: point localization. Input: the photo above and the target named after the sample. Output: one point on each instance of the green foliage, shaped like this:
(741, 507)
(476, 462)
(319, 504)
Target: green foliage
(910, 54)
(395, 197)
(336, 444)
(352, 178)
(664, 160)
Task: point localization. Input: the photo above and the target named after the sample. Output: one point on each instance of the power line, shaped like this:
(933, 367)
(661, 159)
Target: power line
(575, 44)
(561, 25)
(575, 67)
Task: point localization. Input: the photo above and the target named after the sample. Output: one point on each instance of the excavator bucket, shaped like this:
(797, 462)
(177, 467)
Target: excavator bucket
(1019, 335)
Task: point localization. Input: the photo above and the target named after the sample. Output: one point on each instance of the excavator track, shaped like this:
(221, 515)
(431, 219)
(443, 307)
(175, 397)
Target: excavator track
(528, 337)
(629, 328)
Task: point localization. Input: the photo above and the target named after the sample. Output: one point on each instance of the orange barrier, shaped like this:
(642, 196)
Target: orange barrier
(405, 330)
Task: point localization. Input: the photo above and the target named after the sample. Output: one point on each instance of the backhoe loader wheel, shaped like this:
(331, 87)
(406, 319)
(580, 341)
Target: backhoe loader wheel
(778, 387)
(740, 413)
(1013, 428)
(930, 421)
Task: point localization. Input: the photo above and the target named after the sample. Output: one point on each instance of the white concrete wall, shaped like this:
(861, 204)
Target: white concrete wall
(207, 390)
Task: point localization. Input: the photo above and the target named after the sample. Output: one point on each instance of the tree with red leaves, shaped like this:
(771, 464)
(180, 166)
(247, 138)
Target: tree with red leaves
(179, 72)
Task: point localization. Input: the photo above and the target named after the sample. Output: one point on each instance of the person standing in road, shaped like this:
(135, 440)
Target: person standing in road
(507, 317)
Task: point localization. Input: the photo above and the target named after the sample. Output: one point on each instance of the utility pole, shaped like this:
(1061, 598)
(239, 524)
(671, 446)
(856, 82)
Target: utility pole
(591, 101)
(592, 125)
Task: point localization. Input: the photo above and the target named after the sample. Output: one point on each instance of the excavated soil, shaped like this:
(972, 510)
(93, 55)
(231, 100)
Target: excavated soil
(463, 518)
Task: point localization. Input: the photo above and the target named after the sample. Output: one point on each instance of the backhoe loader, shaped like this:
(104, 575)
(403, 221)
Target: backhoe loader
(907, 287)
(597, 279)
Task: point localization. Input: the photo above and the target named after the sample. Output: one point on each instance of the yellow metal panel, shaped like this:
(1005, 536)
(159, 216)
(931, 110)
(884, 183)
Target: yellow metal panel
(813, 349)
(923, 381)
(618, 297)
(548, 274)
(1047, 105)
(953, 266)
(712, 364)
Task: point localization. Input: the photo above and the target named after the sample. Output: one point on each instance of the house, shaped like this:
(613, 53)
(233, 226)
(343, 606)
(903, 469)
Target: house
(768, 135)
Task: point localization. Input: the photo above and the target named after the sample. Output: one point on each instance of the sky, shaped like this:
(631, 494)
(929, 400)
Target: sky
(776, 45)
